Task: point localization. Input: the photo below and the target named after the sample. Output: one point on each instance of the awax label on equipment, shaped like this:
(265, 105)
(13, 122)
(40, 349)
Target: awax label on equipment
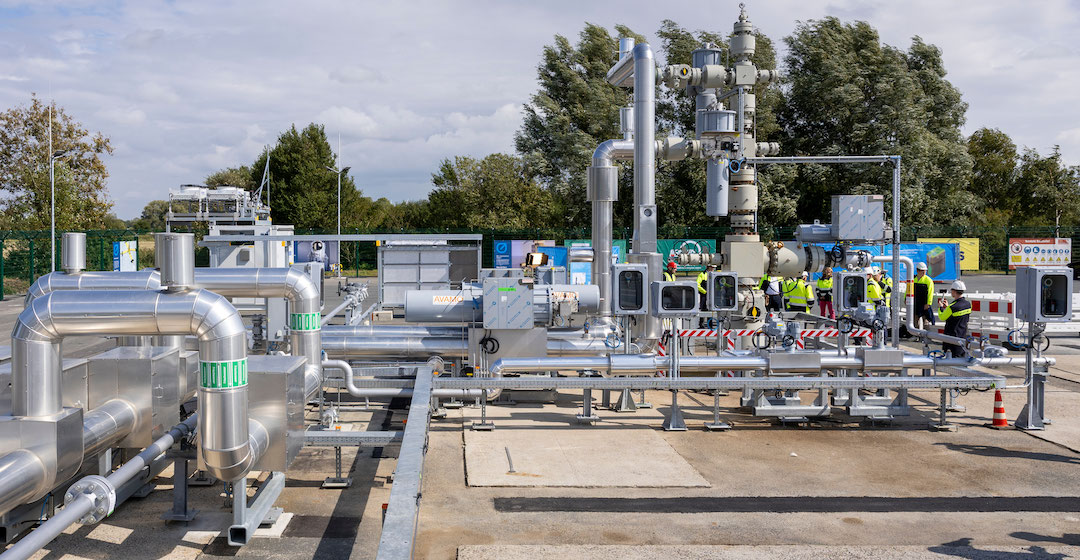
(223, 375)
(304, 321)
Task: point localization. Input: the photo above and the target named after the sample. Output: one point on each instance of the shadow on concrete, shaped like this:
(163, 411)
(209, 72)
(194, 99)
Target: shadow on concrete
(1001, 452)
(962, 548)
(1070, 539)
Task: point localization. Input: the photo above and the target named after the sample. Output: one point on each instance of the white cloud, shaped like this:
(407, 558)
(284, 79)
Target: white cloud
(184, 89)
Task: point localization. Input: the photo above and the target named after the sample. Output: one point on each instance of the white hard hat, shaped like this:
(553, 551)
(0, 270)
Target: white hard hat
(920, 266)
(805, 274)
(875, 270)
(958, 286)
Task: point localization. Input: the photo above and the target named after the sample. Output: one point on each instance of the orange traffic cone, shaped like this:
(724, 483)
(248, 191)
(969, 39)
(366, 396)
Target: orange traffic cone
(999, 412)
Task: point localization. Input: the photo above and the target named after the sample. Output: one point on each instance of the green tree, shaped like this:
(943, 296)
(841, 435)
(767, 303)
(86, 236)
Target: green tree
(993, 175)
(81, 199)
(233, 177)
(494, 192)
(574, 110)
(304, 190)
(1052, 188)
(152, 217)
(848, 94)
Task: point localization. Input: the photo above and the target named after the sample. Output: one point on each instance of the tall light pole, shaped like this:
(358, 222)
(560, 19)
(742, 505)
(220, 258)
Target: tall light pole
(339, 174)
(53, 156)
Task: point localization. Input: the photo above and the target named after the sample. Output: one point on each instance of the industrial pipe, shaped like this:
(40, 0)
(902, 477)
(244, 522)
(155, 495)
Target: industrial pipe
(106, 425)
(452, 347)
(394, 331)
(396, 392)
(81, 499)
(56, 281)
(304, 307)
(644, 149)
(603, 192)
(647, 364)
(36, 371)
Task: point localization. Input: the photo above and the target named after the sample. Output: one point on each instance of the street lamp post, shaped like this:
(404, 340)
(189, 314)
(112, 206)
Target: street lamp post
(339, 174)
(53, 156)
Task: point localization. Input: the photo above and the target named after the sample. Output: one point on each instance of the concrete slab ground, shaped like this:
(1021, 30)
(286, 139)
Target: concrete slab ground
(692, 552)
(553, 457)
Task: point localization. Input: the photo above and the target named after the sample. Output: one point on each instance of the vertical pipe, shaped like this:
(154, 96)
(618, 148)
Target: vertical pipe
(73, 253)
(644, 149)
(896, 253)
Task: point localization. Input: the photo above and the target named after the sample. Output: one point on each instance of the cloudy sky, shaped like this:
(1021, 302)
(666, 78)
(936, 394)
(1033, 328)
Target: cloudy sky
(187, 87)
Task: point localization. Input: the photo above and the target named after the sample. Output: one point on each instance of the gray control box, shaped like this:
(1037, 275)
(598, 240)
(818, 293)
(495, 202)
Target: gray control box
(859, 217)
(629, 289)
(508, 303)
(1044, 295)
(674, 299)
(849, 290)
(723, 288)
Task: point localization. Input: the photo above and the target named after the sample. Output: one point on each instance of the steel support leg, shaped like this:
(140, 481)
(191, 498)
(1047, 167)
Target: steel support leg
(943, 424)
(675, 422)
(180, 510)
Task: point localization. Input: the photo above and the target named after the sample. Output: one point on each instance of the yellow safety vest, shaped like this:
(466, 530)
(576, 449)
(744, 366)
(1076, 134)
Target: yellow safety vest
(702, 277)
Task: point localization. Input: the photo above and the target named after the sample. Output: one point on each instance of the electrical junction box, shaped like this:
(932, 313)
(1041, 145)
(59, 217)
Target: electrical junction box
(674, 299)
(628, 293)
(849, 290)
(508, 303)
(551, 275)
(1044, 295)
(723, 288)
(859, 218)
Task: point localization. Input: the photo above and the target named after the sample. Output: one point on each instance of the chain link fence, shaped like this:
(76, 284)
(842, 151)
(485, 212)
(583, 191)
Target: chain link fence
(25, 255)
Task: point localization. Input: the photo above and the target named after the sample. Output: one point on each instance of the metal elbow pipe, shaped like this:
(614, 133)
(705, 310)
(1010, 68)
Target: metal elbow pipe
(57, 281)
(305, 319)
(382, 392)
(36, 372)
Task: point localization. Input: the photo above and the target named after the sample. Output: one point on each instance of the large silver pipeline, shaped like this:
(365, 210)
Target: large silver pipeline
(36, 372)
(305, 318)
(394, 331)
(644, 149)
(648, 364)
(83, 502)
(57, 281)
(397, 347)
(106, 425)
(346, 347)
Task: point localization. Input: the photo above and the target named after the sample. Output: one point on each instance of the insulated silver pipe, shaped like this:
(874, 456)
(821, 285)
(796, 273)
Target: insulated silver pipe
(397, 347)
(106, 425)
(82, 504)
(603, 191)
(392, 392)
(644, 149)
(36, 372)
(58, 281)
(452, 347)
(305, 319)
(73, 253)
(21, 475)
(394, 331)
(648, 364)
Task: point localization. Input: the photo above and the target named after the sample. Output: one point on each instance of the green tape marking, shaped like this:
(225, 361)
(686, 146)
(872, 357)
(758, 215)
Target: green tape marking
(223, 375)
(305, 321)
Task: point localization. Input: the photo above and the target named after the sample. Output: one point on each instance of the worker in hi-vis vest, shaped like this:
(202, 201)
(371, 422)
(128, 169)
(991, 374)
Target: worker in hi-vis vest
(824, 294)
(956, 315)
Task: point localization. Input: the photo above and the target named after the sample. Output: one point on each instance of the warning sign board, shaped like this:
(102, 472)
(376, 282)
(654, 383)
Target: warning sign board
(1040, 252)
